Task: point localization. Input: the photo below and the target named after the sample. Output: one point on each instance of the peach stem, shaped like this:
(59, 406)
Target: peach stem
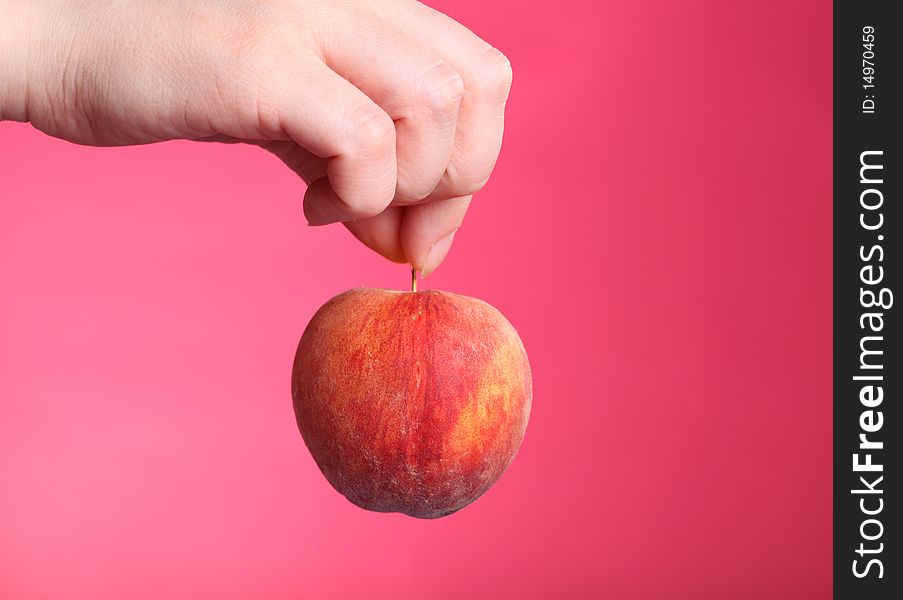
(413, 280)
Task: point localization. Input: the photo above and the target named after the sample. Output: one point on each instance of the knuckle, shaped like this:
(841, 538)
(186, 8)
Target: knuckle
(497, 73)
(468, 188)
(442, 89)
(411, 189)
(468, 179)
(476, 185)
(374, 132)
(365, 207)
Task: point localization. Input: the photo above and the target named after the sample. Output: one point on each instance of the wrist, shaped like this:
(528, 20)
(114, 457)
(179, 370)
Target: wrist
(18, 28)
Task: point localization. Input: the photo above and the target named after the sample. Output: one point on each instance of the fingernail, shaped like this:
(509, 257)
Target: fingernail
(436, 254)
(316, 219)
(321, 204)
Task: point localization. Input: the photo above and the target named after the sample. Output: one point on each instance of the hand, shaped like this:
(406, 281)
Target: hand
(390, 111)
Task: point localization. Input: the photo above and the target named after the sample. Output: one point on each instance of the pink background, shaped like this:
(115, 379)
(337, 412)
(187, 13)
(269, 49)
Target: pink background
(658, 229)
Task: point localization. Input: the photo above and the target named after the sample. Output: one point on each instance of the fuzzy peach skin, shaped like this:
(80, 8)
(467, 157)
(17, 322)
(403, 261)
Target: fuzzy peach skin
(411, 402)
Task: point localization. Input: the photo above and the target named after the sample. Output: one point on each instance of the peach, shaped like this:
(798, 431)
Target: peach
(411, 402)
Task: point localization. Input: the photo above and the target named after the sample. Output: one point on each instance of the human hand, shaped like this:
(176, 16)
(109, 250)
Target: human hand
(390, 111)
